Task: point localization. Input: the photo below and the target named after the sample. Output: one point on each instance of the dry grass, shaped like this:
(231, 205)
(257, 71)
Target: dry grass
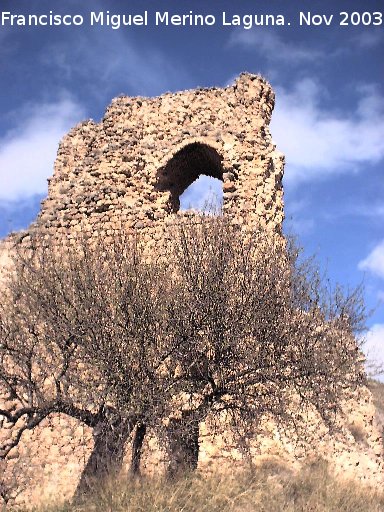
(271, 489)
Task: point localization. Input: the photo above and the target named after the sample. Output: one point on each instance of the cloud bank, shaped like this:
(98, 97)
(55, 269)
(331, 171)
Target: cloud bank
(374, 351)
(319, 141)
(274, 47)
(374, 262)
(202, 193)
(28, 151)
(112, 65)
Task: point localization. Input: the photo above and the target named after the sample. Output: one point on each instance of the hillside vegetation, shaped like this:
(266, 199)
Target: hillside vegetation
(272, 488)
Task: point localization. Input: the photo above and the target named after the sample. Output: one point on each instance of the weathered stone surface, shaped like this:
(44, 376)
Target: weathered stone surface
(129, 171)
(145, 152)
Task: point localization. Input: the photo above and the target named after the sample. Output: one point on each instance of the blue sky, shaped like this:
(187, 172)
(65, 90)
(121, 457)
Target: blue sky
(328, 118)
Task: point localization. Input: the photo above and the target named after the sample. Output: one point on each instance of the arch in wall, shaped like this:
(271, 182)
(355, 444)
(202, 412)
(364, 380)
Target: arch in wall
(185, 166)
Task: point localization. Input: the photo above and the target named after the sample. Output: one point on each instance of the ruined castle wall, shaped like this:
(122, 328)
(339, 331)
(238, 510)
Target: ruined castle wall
(128, 172)
(130, 169)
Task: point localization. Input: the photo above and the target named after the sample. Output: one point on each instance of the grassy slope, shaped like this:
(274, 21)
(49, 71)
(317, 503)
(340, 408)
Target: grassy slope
(272, 489)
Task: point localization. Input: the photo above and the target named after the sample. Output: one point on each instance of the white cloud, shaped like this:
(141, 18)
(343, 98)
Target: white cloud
(356, 208)
(374, 262)
(320, 141)
(374, 350)
(368, 39)
(202, 193)
(273, 47)
(277, 50)
(28, 151)
(375, 211)
(111, 64)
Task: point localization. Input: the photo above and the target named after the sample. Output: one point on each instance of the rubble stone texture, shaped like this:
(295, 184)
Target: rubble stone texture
(131, 168)
(128, 171)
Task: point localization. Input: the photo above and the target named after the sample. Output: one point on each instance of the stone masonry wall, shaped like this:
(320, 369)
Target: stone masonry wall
(128, 171)
(131, 168)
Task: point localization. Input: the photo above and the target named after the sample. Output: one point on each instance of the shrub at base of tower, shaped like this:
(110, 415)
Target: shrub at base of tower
(214, 323)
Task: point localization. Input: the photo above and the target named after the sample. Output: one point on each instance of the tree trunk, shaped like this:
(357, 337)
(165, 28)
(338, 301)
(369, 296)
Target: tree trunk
(183, 445)
(137, 446)
(106, 457)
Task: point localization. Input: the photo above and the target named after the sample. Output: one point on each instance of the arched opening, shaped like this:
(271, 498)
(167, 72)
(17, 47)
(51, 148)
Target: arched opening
(184, 168)
(206, 193)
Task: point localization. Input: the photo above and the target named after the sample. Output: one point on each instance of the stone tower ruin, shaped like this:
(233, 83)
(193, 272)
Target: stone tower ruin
(128, 171)
(131, 168)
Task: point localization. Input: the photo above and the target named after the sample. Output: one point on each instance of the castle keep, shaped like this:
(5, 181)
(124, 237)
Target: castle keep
(131, 168)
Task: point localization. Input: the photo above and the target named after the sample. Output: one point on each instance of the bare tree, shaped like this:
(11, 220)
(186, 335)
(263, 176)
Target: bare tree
(215, 321)
(79, 336)
(255, 325)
